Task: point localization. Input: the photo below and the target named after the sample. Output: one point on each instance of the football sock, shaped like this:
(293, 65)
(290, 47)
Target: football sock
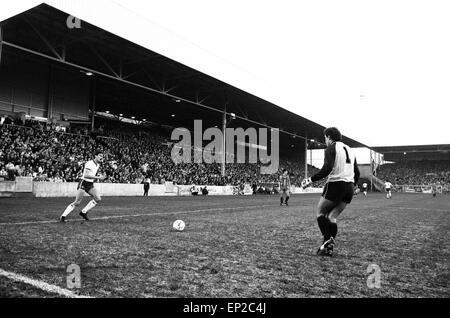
(281, 200)
(287, 199)
(69, 209)
(89, 206)
(323, 225)
(333, 229)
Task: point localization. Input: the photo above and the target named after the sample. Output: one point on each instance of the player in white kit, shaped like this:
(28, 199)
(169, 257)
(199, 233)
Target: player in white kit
(364, 186)
(387, 186)
(86, 185)
(343, 173)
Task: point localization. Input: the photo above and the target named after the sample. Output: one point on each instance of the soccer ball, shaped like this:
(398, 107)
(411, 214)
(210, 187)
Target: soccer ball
(178, 225)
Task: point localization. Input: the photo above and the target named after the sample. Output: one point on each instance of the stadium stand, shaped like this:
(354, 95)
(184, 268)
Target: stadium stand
(36, 149)
(423, 172)
(39, 150)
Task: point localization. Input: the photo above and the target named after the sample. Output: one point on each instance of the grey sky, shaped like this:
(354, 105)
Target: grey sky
(378, 70)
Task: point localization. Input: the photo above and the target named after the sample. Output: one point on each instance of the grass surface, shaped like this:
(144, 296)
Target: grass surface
(231, 247)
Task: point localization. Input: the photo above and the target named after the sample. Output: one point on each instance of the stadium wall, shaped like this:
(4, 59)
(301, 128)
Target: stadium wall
(69, 189)
(7, 186)
(26, 185)
(185, 190)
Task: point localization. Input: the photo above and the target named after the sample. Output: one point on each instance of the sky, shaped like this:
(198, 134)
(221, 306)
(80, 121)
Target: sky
(377, 70)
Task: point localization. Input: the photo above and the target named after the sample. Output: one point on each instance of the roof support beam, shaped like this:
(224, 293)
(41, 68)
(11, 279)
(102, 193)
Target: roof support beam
(168, 90)
(245, 114)
(47, 43)
(104, 61)
(198, 100)
(153, 81)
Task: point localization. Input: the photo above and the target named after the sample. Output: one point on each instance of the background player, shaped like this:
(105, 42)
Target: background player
(146, 183)
(342, 170)
(387, 186)
(285, 186)
(87, 185)
(364, 188)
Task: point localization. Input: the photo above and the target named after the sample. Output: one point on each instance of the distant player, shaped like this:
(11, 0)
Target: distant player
(285, 186)
(194, 190)
(388, 186)
(364, 188)
(343, 174)
(434, 190)
(146, 185)
(87, 185)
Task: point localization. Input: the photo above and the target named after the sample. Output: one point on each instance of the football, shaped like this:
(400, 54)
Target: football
(178, 225)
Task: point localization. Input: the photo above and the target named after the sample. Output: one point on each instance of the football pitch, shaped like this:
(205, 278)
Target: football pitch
(231, 247)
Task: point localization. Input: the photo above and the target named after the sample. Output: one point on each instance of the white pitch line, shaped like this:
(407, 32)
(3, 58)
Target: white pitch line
(403, 208)
(41, 285)
(146, 214)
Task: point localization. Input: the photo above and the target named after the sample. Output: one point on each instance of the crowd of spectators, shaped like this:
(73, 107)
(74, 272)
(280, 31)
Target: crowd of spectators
(425, 172)
(44, 152)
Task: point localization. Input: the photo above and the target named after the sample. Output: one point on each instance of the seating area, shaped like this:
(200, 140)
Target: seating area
(425, 172)
(44, 152)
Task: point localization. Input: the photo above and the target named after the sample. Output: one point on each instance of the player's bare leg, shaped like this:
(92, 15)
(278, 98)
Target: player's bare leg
(96, 200)
(388, 194)
(73, 205)
(324, 207)
(284, 197)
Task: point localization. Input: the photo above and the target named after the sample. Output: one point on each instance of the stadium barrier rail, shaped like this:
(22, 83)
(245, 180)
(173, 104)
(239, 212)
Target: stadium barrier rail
(418, 188)
(45, 189)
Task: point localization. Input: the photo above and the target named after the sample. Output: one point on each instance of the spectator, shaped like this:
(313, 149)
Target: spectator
(146, 186)
(11, 172)
(36, 149)
(7, 121)
(3, 173)
(426, 172)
